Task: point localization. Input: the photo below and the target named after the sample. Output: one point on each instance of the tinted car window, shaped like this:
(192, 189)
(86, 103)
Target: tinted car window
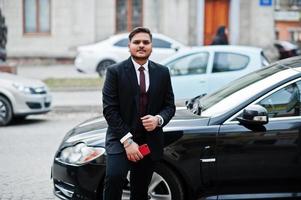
(189, 65)
(238, 84)
(284, 102)
(122, 43)
(224, 62)
(158, 43)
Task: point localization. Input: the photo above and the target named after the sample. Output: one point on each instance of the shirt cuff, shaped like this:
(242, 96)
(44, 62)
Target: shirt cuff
(161, 120)
(127, 136)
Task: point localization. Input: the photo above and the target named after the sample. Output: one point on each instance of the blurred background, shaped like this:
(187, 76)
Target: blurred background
(49, 39)
(49, 31)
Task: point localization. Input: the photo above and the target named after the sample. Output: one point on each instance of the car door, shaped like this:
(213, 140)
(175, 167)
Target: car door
(226, 67)
(189, 75)
(264, 158)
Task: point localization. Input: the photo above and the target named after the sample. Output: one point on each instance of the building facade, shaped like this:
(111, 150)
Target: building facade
(54, 28)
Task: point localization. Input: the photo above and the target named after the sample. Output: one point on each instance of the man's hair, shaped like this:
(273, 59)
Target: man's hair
(140, 30)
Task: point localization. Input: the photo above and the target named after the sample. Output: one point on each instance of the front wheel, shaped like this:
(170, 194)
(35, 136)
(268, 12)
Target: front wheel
(165, 184)
(102, 66)
(6, 111)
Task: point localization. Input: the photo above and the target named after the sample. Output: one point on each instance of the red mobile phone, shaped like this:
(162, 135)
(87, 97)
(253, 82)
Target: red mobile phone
(144, 150)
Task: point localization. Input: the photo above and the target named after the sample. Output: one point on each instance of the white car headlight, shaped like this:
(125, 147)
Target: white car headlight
(80, 154)
(30, 90)
(22, 88)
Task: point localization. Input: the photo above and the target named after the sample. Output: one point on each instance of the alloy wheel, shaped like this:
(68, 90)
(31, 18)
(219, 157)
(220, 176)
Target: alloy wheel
(158, 189)
(6, 111)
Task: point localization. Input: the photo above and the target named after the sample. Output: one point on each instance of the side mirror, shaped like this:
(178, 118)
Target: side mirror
(254, 115)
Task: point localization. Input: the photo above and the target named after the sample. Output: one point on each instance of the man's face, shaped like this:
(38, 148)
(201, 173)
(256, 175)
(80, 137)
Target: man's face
(140, 46)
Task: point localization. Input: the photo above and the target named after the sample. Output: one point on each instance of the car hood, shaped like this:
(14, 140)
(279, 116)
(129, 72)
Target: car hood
(93, 131)
(20, 80)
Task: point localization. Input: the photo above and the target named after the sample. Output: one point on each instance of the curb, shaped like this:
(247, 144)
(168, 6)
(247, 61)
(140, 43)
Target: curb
(75, 89)
(77, 109)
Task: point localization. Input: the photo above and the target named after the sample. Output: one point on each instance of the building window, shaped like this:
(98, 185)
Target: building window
(36, 16)
(295, 35)
(288, 4)
(128, 15)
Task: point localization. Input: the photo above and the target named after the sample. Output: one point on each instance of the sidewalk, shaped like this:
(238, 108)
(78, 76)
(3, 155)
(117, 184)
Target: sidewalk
(66, 101)
(52, 71)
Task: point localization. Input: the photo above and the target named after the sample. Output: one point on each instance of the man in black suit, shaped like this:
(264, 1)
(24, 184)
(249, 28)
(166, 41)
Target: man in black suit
(137, 102)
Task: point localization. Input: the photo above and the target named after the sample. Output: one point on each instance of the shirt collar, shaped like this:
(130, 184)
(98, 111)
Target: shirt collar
(137, 66)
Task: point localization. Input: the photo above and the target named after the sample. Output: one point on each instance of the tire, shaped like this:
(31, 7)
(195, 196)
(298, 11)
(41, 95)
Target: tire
(6, 111)
(165, 184)
(102, 67)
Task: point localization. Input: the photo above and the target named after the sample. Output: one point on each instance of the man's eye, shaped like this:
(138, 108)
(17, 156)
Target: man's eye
(145, 42)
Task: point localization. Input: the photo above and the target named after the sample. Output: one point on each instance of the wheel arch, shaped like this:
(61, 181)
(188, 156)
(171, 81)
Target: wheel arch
(189, 193)
(105, 58)
(9, 98)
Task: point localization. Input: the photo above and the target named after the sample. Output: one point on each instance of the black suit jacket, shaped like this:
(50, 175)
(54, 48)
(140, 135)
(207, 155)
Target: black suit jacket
(121, 104)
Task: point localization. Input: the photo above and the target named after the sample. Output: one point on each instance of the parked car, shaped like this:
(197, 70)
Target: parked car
(20, 97)
(95, 58)
(286, 49)
(205, 69)
(244, 138)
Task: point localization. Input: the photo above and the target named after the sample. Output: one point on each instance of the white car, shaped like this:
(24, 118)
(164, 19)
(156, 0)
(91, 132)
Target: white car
(202, 70)
(20, 97)
(95, 58)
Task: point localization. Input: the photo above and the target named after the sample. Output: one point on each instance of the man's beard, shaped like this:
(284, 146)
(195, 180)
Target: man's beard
(140, 58)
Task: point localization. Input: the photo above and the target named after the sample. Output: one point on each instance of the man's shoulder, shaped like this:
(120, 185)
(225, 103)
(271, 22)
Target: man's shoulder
(158, 66)
(119, 65)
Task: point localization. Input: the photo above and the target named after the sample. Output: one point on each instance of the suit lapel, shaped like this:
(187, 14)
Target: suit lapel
(152, 83)
(132, 77)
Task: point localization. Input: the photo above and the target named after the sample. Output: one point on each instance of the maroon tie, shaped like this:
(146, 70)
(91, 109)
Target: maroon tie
(142, 80)
(142, 99)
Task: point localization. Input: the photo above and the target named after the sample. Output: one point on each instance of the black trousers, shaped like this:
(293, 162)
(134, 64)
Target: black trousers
(117, 167)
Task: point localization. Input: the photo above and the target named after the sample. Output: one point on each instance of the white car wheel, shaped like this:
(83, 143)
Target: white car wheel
(102, 66)
(6, 111)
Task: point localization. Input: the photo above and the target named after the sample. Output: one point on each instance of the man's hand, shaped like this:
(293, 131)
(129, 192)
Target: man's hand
(132, 152)
(150, 122)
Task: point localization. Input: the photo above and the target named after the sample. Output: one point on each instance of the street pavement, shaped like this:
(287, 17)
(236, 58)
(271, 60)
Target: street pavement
(27, 147)
(27, 150)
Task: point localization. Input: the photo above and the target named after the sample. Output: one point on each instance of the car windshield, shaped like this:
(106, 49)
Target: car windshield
(208, 101)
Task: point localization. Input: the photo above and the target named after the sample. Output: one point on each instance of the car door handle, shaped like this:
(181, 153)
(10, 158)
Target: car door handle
(207, 160)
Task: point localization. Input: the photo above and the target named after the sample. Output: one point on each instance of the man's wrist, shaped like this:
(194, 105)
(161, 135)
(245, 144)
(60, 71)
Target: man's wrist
(160, 120)
(124, 138)
(128, 142)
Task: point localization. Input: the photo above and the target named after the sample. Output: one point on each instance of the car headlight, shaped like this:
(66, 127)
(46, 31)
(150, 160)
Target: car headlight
(30, 90)
(80, 154)
(22, 88)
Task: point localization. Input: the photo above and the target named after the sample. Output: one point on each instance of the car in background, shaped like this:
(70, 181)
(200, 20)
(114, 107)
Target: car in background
(245, 139)
(20, 97)
(202, 70)
(95, 58)
(286, 49)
